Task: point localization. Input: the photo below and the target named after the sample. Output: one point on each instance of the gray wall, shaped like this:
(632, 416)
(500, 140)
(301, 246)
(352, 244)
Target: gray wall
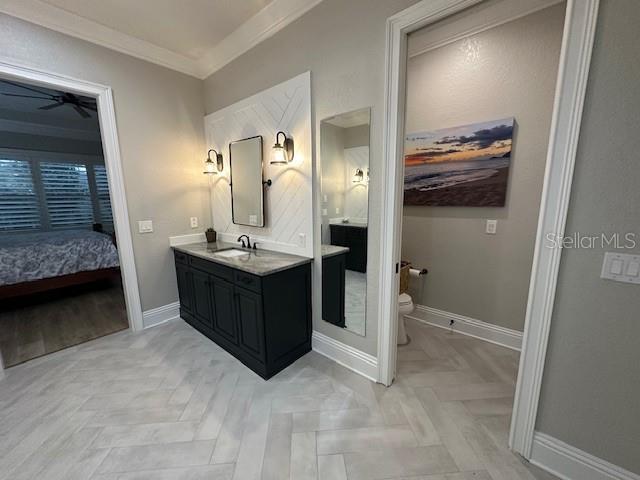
(159, 114)
(343, 44)
(471, 273)
(591, 389)
(332, 176)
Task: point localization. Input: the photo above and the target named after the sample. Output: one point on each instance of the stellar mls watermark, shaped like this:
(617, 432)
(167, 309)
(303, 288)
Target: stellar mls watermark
(577, 240)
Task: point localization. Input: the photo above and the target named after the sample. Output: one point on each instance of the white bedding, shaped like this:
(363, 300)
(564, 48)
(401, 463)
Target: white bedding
(33, 256)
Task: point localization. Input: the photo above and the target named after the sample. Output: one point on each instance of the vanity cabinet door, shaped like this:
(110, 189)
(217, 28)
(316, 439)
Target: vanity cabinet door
(224, 319)
(250, 323)
(202, 298)
(184, 287)
(333, 289)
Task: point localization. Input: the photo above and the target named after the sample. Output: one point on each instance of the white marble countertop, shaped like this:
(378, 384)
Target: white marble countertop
(332, 250)
(258, 262)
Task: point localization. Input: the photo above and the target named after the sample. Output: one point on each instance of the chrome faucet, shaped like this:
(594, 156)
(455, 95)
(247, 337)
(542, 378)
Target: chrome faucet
(241, 239)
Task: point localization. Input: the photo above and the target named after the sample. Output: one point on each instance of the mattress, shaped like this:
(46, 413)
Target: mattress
(34, 256)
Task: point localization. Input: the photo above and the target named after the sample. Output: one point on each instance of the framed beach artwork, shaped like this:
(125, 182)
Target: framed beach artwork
(465, 166)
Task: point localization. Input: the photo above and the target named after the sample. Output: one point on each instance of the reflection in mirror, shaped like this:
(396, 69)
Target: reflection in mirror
(247, 193)
(344, 152)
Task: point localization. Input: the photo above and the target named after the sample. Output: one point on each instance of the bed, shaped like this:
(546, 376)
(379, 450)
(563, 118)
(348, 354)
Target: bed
(36, 262)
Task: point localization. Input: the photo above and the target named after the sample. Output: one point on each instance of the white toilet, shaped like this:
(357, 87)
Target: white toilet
(405, 307)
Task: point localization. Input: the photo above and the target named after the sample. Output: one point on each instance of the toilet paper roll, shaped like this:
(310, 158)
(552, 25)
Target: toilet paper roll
(414, 272)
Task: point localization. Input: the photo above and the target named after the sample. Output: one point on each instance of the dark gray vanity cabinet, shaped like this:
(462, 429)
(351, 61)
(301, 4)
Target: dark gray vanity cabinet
(333, 288)
(354, 237)
(264, 321)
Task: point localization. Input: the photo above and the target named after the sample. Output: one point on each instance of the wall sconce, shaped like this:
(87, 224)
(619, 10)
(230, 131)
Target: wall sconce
(358, 176)
(282, 153)
(211, 167)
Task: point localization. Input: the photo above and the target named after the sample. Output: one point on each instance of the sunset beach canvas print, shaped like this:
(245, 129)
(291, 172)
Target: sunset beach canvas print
(459, 166)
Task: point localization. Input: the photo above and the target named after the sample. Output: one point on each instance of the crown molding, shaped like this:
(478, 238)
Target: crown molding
(271, 19)
(62, 21)
(264, 24)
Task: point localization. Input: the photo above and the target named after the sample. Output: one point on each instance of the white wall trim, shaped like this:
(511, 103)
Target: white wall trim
(569, 463)
(398, 28)
(472, 327)
(264, 24)
(577, 43)
(62, 21)
(160, 315)
(575, 59)
(113, 162)
(347, 356)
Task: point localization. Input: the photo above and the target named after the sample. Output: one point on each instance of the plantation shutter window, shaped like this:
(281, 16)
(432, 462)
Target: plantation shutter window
(104, 201)
(19, 206)
(68, 198)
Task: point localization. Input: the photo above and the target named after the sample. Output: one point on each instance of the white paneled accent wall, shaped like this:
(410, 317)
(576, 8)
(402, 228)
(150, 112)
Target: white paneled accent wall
(288, 202)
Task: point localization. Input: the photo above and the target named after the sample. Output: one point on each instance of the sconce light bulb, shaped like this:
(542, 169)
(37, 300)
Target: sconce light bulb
(209, 167)
(278, 156)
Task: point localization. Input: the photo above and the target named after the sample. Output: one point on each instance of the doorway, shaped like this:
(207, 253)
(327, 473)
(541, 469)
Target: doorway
(67, 193)
(577, 41)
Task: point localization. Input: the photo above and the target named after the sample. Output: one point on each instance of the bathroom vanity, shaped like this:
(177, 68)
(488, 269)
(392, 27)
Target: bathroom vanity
(354, 237)
(256, 304)
(334, 264)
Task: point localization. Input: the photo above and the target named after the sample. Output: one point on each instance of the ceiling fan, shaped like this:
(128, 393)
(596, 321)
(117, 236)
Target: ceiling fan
(59, 99)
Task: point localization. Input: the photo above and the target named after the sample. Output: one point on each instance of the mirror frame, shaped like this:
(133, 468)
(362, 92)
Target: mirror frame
(233, 220)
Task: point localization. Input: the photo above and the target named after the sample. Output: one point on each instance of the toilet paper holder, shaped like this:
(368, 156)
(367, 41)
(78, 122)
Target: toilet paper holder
(406, 270)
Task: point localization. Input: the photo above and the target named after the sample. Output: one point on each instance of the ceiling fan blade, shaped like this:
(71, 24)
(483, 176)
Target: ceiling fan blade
(27, 96)
(81, 111)
(89, 106)
(19, 85)
(52, 106)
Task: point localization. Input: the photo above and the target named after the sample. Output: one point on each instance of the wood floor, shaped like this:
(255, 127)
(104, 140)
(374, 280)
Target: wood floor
(168, 404)
(44, 323)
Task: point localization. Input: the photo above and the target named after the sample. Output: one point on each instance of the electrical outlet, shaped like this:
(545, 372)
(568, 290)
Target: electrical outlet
(338, 210)
(145, 226)
(492, 227)
(302, 240)
(194, 222)
(324, 198)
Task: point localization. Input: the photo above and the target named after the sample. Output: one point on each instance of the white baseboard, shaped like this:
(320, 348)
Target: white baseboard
(468, 326)
(569, 463)
(347, 356)
(156, 316)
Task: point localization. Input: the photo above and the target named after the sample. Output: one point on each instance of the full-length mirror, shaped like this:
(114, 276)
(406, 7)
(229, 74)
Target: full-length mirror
(247, 193)
(344, 152)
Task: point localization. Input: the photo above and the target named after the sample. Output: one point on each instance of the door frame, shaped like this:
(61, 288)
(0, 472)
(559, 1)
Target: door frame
(113, 162)
(573, 70)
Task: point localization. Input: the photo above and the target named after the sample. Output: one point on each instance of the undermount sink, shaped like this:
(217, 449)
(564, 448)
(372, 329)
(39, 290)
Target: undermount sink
(230, 253)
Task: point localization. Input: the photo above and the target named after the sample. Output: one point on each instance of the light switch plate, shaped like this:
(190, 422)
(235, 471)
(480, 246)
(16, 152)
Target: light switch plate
(194, 222)
(145, 226)
(492, 227)
(621, 267)
(324, 212)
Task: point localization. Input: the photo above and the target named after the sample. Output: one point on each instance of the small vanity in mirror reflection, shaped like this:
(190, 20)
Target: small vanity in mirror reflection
(247, 192)
(344, 154)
